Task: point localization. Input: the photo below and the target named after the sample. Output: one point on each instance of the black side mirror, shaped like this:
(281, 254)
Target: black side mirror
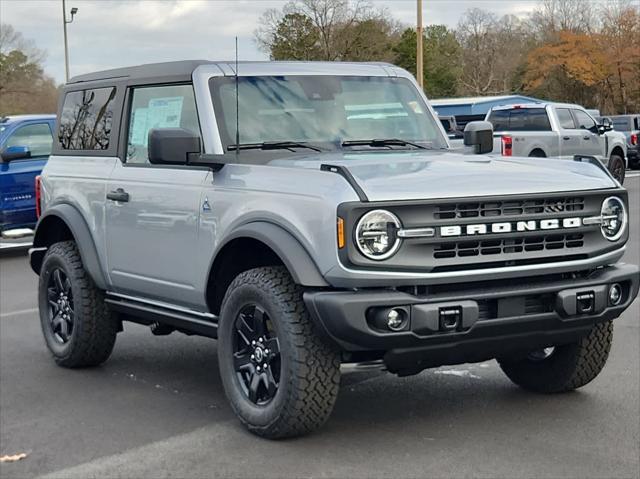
(479, 134)
(172, 146)
(15, 153)
(606, 125)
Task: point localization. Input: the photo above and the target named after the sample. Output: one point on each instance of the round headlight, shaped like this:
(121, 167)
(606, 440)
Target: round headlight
(614, 218)
(377, 234)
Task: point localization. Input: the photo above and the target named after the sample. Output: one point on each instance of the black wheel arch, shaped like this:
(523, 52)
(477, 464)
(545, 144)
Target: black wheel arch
(537, 153)
(258, 244)
(62, 223)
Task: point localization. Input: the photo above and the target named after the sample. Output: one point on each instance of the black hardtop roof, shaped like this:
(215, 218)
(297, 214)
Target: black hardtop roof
(150, 70)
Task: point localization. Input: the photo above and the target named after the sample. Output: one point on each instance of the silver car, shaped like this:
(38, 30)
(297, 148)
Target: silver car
(308, 215)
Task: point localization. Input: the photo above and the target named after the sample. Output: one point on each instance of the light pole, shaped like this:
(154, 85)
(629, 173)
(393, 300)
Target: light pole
(74, 10)
(419, 58)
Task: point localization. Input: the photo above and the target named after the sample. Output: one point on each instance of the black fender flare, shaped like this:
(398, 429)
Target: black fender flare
(295, 257)
(45, 236)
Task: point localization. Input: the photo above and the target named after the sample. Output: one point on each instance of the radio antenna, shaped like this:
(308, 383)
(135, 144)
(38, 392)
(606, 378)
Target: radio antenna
(237, 106)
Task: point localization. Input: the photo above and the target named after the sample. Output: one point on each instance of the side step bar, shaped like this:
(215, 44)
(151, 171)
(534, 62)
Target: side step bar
(147, 312)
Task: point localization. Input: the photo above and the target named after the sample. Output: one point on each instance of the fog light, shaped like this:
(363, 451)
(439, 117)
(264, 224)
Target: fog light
(615, 294)
(396, 320)
(389, 319)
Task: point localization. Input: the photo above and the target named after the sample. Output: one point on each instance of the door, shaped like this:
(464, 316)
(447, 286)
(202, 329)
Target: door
(17, 177)
(591, 143)
(570, 136)
(152, 211)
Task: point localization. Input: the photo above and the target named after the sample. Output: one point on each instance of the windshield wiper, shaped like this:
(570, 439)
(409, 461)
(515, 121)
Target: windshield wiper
(383, 142)
(272, 145)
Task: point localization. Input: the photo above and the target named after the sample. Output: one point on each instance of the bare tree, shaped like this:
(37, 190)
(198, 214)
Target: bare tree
(11, 40)
(327, 30)
(476, 34)
(553, 16)
(24, 88)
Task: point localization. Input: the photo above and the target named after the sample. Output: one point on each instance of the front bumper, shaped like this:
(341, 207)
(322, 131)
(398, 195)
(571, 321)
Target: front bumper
(496, 318)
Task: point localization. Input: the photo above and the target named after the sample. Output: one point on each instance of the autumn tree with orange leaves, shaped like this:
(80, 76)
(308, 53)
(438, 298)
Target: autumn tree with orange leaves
(571, 69)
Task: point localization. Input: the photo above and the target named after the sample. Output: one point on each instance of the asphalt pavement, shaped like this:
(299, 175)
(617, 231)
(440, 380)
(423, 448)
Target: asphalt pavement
(157, 409)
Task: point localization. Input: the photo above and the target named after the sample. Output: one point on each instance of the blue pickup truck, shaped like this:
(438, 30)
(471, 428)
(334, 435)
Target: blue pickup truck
(25, 146)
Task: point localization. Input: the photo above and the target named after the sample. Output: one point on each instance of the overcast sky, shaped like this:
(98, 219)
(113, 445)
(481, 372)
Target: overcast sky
(113, 33)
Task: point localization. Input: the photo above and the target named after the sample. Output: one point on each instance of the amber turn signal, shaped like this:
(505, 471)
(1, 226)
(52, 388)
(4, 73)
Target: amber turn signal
(341, 240)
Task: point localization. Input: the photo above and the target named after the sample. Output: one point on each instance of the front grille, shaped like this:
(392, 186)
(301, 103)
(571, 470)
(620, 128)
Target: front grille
(493, 209)
(461, 249)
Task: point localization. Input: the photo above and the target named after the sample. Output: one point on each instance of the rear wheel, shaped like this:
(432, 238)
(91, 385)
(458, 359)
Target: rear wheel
(562, 368)
(279, 375)
(78, 327)
(617, 168)
(537, 154)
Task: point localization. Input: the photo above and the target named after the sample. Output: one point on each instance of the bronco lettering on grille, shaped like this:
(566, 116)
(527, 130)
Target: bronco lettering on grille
(509, 227)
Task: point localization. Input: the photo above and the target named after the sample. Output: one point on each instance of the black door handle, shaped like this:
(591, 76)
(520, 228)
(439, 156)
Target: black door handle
(566, 137)
(118, 195)
(586, 137)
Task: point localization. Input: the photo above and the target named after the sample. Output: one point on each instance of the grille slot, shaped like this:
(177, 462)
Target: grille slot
(462, 249)
(495, 209)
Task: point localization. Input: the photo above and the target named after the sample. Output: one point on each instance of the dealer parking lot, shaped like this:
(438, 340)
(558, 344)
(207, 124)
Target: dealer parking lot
(157, 409)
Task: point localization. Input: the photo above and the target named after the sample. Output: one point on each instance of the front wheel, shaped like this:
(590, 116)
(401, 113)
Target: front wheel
(617, 168)
(562, 368)
(280, 376)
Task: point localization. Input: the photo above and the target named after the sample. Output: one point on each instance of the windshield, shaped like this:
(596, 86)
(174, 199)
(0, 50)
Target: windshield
(327, 110)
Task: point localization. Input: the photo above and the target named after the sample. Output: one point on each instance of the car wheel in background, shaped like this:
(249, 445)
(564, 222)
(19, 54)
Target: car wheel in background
(617, 168)
(537, 154)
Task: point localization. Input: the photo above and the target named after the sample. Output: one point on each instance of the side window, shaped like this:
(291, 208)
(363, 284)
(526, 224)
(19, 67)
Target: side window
(169, 106)
(499, 119)
(565, 119)
(584, 121)
(37, 137)
(86, 118)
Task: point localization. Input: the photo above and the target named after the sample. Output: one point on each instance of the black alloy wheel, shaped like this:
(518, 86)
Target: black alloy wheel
(256, 355)
(61, 309)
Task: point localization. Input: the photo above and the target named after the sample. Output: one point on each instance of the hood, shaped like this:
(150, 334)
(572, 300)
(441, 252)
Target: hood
(414, 175)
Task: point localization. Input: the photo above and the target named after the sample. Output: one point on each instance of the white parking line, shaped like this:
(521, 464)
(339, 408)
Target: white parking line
(19, 312)
(632, 175)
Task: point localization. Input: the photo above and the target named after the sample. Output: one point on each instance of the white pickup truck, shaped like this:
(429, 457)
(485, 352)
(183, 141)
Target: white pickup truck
(557, 130)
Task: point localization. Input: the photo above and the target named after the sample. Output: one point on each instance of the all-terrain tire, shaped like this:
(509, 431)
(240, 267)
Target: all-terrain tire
(568, 367)
(617, 168)
(309, 367)
(94, 328)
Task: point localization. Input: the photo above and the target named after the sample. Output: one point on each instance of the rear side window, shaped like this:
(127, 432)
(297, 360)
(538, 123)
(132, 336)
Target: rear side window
(500, 120)
(565, 119)
(37, 137)
(86, 119)
(520, 119)
(621, 124)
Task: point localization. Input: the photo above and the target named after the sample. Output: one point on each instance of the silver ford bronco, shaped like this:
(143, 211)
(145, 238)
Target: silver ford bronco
(312, 214)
